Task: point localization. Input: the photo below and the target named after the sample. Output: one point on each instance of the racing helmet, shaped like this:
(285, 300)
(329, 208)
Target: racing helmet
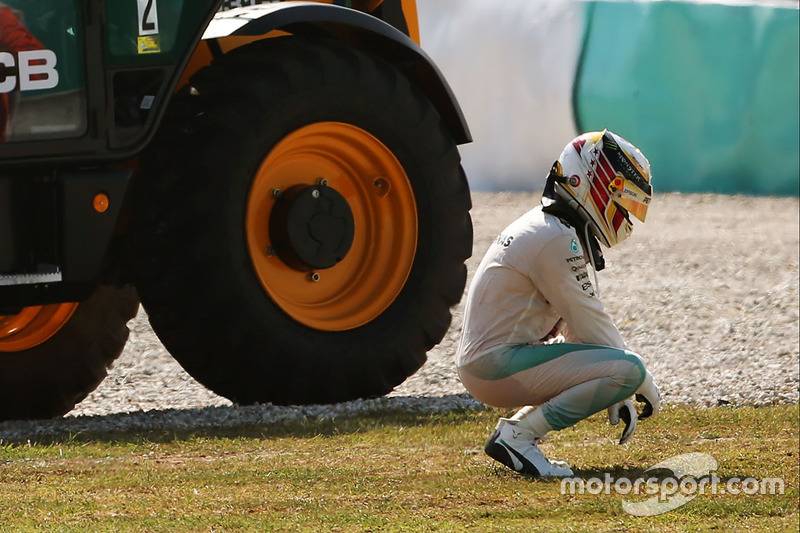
(605, 178)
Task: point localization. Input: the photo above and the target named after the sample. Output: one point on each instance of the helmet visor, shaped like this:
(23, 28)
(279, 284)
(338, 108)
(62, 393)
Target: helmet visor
(630, 187)
(630, 197)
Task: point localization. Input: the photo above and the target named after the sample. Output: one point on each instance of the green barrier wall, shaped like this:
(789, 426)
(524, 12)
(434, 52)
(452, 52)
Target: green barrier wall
(711, 93)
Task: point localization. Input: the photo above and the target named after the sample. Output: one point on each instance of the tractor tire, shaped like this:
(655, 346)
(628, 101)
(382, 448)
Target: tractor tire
(51, 357)
(302, 225)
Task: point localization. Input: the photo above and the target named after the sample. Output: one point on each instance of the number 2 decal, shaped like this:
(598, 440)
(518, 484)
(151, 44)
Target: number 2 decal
(146, 24)
(148, 17)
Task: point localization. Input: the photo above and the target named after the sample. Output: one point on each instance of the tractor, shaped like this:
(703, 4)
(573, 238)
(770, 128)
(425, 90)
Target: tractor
(277, 184)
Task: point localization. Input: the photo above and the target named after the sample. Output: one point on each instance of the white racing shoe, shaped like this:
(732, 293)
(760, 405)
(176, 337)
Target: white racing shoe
(517, 448)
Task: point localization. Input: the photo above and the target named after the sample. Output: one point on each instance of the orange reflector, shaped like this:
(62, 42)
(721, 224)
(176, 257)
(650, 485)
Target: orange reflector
(100, 203)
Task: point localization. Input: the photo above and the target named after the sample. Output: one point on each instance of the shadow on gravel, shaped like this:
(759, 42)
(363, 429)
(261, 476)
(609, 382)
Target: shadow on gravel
(236, 420)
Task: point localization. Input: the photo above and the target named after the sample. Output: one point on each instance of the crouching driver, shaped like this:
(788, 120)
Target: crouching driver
(535, 334)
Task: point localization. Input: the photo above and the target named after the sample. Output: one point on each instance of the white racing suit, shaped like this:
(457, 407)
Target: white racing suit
(536, 334)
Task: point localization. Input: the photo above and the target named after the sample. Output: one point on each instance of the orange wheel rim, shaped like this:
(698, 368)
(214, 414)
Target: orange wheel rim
(376, 188)
(33, 326)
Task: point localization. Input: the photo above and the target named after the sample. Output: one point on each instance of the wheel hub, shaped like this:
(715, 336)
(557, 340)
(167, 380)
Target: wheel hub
(311, 227)
(362, 247)
(33, 326)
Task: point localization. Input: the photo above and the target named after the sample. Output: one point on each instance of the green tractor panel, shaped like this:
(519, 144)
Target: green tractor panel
(278, 184)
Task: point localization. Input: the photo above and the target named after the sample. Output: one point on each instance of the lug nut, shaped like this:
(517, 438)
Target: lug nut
(313, 277)
(382, 186)
(276, 193)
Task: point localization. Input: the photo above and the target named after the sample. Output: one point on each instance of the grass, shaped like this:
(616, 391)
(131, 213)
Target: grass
(390, 472)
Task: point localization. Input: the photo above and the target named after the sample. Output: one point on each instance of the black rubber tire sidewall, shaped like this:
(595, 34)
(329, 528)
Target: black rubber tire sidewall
(50, 379)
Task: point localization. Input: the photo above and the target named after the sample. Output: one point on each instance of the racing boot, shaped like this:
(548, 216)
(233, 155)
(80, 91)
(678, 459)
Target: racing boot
(518, 449)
